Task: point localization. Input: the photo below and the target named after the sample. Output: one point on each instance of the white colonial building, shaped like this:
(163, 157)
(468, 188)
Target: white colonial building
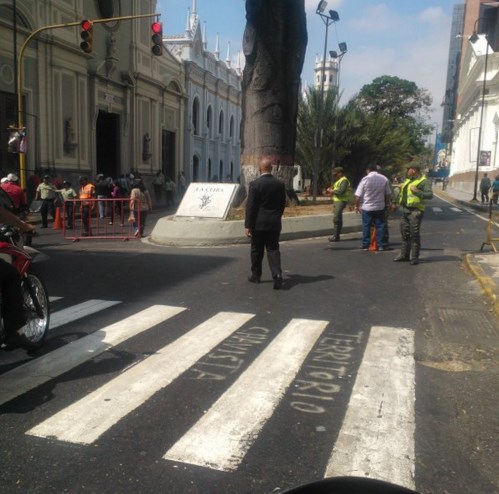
(475, 127)
(477, 116)
(213, 113)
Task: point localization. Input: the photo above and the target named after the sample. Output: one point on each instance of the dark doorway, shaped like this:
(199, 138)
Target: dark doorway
(168, 154)
(108, 144)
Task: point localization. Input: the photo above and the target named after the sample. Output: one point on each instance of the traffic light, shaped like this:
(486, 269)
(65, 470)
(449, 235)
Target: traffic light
(157, 38)
(87, 28)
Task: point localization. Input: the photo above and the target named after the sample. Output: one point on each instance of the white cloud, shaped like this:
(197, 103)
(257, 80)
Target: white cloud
(377, 18)
(432, 15)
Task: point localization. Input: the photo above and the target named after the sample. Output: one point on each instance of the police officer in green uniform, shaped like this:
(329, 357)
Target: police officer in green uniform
(413, 193)
(339, 191)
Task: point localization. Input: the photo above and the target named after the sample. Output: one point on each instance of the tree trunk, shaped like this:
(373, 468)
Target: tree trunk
(274, 45)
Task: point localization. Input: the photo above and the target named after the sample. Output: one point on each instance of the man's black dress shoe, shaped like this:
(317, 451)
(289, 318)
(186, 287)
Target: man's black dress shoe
(277, 282)
(401, 259)
(253, 279)
(414, 262)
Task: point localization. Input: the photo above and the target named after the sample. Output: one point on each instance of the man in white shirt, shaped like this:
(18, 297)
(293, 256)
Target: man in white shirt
(372, 198)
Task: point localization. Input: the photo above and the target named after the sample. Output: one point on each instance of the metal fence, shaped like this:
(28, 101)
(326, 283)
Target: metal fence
(99, 219)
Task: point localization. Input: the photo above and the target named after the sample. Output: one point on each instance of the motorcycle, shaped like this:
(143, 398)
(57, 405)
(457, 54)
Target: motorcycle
(35, 295)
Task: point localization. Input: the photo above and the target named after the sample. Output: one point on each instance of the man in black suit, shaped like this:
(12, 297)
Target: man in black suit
(264, 209)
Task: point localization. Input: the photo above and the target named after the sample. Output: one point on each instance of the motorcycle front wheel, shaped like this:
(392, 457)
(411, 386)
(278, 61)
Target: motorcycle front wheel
(36, 306)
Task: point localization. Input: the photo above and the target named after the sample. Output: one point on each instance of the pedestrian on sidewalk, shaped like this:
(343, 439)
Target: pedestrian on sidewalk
(372, 198)
(484, 188)
(140, 205)
(87, 195)
(102, 191)
(158, 185)
(339, 191)
(170, 191)
(263, 222)
(413, 193)
(68, 195)
(46, 191)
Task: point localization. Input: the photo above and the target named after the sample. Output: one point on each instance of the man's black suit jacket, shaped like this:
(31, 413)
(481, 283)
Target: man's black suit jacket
(265, 204)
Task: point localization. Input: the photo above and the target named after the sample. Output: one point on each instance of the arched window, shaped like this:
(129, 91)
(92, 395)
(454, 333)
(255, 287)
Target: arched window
(208, 171)
(231, 128)
(6, 12)
(195, 117)
(221, 124)
(209, 120)
(221, 170)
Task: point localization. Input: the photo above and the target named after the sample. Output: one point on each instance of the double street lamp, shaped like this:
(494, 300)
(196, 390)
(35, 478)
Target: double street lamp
(328, 20)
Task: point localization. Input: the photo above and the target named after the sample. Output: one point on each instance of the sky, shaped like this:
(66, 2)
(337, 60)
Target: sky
(404, 38)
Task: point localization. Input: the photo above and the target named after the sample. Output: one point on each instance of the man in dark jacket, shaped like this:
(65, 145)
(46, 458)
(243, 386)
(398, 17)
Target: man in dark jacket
(264, 208)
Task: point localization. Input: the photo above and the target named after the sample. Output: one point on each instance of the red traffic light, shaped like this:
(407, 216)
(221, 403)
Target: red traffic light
(86, 35)
(86, 25)
(157, 38)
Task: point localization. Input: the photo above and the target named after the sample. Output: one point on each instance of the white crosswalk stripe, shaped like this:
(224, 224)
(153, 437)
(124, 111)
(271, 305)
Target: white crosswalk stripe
(41, 370)
(221, 438)
(90, 417)
(79, 311)
(376, 438)
(439, 210)
(377, 435)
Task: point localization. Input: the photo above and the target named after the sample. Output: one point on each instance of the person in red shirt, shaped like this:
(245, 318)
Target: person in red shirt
(15, 192)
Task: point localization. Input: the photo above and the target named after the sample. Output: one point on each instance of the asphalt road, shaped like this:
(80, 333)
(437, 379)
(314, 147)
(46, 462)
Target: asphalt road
(166, 371)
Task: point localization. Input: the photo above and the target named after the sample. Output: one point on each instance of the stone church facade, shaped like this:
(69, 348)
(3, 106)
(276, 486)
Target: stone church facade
(118, 108)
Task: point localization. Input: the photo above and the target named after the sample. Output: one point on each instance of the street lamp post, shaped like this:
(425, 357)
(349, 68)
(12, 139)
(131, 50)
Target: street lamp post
(333, 54)
(474, 39)
(328, 20)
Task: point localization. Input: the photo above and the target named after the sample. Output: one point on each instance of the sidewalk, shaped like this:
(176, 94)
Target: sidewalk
(484, 265)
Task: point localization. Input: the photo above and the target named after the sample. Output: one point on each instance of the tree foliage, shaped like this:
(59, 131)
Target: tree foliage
(385, 123)
(395, 97)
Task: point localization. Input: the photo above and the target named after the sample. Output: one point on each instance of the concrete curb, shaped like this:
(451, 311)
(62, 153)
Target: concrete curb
(489, 287)
(199, 232)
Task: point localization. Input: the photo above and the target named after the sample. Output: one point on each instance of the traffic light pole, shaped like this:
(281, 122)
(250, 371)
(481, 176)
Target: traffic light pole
(20, 120)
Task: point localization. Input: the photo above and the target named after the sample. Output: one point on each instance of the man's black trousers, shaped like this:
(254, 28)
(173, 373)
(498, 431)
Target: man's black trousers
(269, 240)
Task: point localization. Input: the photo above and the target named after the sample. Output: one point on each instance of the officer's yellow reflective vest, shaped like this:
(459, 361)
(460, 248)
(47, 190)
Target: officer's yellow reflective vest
(413, 201)
(336, 187)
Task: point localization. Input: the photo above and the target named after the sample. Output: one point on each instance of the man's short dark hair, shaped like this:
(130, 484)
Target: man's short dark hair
(372, 167)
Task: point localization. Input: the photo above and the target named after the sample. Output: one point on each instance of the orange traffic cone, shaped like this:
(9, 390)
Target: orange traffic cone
(374, 243)
(57, 219)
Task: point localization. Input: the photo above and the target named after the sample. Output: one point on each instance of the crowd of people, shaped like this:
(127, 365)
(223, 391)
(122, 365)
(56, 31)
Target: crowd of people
(375, 198)
(106, 199)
